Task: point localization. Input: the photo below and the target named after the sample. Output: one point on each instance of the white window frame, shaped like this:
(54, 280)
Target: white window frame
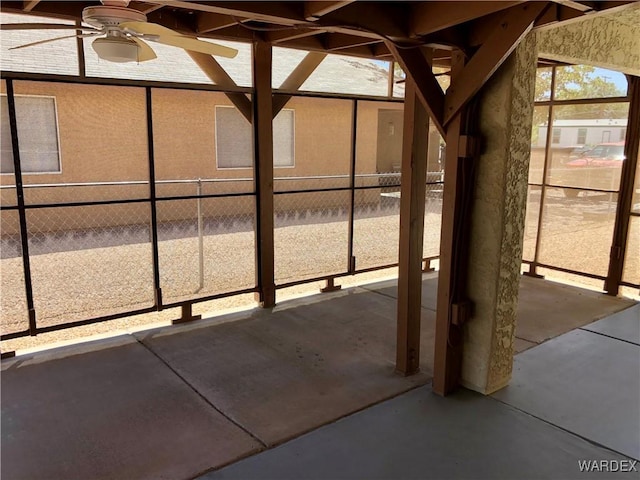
(55, 113)
(293, 142)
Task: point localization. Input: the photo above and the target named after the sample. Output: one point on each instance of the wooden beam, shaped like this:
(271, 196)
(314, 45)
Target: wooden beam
(144, 7)
(556, 13)
(416, 67)
(220, 77)
(29, 5)
(234, 33)
(505, 38)
(429, 17)
(580, 6)
(316, 9)
(292, 34)
(53, 9)
(208, 22)
(412, 205)
(305, 43)
(296, 78)
(263, 148)
(339, 41)
(376, 19)
(380, 50)
(280, 13)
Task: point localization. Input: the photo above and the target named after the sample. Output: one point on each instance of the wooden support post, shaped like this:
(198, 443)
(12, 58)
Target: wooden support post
(625, 195)
(412, 200)
(330, 286)
(452, 307)
(263, 148)
(186, 314)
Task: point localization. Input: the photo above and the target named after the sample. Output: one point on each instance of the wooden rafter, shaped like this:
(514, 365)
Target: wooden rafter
(29, 5)
(311, 43)
(296, 78)
(316, 9)
(429, 17)
(233, 33)
(219, 76)
(291, 34)
(557, 13)
(377, 20)
(581, 6)
(338, 41)
(380, 50)
(281, 13)
(505, 37)
(208, 22)
(145, 8)
(416, 66)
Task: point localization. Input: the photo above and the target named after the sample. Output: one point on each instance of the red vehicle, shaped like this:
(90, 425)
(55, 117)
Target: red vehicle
(598, 168)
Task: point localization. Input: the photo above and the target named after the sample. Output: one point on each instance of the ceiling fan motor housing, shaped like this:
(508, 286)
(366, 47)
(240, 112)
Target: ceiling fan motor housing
(107, 16)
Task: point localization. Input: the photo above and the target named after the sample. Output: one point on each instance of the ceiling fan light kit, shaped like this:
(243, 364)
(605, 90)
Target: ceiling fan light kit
(119, 50)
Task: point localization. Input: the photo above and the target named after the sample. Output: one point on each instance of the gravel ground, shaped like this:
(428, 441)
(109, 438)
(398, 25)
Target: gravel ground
(81, 284)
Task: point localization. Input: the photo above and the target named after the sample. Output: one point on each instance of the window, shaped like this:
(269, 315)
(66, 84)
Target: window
(556, 136)
(234, 139)
(623, 134)
(37, 135)
(606, 136)
(582, 136)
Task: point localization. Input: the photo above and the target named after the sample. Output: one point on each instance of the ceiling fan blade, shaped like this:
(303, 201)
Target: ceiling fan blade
(43, 26)
(32, 44)
(197, 45)
(145, 52)
(166, 36)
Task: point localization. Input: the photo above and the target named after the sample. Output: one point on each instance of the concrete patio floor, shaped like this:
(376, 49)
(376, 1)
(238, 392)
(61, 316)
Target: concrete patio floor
(184, 401)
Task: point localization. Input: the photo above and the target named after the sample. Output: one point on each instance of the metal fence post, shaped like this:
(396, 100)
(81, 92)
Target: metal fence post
(24, 236)
(200, 235)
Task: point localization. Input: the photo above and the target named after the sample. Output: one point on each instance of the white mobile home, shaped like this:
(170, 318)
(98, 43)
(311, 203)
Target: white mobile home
(569, 133)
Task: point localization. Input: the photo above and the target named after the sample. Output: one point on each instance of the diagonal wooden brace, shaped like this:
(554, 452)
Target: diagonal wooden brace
(296, 78)
(415, 65)
(219, 76)
(511, 29)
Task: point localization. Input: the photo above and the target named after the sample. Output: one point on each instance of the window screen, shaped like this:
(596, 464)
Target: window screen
(234, 139)
(37, 135)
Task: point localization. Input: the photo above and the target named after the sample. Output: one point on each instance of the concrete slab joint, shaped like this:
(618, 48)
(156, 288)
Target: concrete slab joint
(498, 220)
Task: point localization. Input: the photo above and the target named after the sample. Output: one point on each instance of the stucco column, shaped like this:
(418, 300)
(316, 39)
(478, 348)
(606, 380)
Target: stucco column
(497, 226)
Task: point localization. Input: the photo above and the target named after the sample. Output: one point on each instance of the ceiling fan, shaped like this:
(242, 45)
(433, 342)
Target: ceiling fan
(122, 33)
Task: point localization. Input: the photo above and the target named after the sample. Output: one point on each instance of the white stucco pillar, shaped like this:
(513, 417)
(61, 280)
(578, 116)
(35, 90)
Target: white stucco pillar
(506, 109)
